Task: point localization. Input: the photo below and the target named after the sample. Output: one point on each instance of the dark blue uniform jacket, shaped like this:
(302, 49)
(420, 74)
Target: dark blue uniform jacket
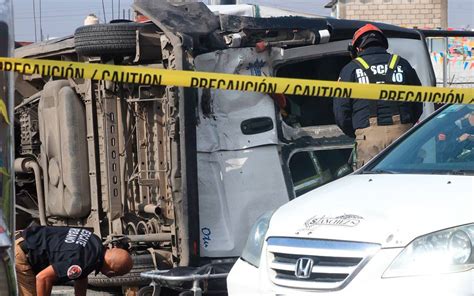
(354, 114)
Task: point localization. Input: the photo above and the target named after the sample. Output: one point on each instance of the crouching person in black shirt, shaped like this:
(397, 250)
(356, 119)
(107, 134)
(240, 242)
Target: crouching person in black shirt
(54, 255)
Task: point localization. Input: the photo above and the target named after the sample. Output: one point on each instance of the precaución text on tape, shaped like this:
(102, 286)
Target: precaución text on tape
(289, 86)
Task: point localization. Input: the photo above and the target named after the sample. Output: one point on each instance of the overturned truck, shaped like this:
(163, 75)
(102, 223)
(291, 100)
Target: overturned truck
(181, 174)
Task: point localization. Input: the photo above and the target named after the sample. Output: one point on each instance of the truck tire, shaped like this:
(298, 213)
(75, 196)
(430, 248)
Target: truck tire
(117, 39)
(141, 263)
(146, 291)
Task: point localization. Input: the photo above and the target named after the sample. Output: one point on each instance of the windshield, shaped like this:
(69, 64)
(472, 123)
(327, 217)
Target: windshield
(443, 145)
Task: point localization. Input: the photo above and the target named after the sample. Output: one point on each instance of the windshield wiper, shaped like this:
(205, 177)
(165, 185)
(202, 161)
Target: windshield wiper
(460, 172)
(376, 172)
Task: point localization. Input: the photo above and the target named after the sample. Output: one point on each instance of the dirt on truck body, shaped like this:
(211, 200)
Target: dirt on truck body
(182, 173)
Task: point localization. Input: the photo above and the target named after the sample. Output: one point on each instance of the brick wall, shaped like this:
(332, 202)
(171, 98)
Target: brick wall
(406, 13)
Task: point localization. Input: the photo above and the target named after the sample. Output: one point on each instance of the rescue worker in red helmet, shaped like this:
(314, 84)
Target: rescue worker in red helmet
(374, 123)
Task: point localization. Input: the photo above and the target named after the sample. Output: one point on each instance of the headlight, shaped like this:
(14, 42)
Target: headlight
(444, 251)
(253, 247)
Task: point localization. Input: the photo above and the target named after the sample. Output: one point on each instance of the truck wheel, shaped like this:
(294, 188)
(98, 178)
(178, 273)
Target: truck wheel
(117, 39)
(145, 291)
(141, 263)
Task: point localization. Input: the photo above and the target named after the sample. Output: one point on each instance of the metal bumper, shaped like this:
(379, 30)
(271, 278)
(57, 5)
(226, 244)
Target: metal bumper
(188, 280)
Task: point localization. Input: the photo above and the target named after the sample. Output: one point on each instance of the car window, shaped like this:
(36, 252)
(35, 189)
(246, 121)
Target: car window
(443, 145)
(311, 169)
(303, 111)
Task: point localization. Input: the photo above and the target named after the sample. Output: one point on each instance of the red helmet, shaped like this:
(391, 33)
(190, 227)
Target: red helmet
(356, 40)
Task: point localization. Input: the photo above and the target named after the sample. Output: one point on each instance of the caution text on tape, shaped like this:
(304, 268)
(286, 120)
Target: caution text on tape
(289, 86)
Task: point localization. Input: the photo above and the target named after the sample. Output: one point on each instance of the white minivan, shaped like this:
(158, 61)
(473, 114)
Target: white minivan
(402, 225)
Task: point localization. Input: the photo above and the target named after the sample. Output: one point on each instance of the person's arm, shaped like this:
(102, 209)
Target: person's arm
(343, 115)
(413, 79)
(464, 137)
(44, 281)
(342, 108)
(417, 111)
(80, 287)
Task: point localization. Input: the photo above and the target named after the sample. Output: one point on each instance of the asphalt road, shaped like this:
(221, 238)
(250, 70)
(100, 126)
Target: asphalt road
(69, 291)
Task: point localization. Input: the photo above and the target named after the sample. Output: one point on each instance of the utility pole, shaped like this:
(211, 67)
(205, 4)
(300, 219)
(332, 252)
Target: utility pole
(41, 20)
(445, 62)
(103, 11)
(34, 19)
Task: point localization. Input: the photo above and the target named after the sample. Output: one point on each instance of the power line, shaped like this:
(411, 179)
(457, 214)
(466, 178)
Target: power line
(71, 22)
(56, 34)
(41, 20)
(59, 10)
(51, 16)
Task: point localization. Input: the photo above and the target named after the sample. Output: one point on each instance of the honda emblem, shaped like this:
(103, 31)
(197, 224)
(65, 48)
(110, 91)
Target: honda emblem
(303, 268)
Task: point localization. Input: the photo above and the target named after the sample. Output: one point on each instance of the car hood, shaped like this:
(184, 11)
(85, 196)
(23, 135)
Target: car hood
(390, 210)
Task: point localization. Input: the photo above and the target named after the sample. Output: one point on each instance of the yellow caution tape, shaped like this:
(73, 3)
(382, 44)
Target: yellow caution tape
(4, 171)
(3, 111)
(290, 86)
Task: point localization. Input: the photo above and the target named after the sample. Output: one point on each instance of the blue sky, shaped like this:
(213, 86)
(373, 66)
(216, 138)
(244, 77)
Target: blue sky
(61, 17)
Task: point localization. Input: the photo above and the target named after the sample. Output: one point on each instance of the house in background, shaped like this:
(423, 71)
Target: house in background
(430, 14)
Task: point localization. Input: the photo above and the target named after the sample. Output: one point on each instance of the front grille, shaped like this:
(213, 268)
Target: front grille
(334, 263)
